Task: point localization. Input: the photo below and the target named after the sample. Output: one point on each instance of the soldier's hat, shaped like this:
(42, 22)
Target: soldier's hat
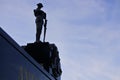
(40, 5)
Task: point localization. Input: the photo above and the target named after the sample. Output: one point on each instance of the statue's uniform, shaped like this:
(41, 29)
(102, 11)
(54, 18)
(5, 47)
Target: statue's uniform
(40, 16)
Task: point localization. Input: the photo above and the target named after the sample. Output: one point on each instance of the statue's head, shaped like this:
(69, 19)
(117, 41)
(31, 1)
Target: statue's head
(40, 5)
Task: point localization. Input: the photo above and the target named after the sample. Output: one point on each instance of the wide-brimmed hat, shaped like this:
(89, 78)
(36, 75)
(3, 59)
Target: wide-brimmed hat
(39, 5)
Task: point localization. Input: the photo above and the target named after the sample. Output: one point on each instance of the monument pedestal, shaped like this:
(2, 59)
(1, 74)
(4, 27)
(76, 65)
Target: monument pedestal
(45, 54)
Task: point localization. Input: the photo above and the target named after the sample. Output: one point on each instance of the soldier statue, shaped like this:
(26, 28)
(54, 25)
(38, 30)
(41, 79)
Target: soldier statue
(40, 21)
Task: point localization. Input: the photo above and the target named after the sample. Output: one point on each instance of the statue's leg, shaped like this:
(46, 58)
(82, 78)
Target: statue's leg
(38, 31)
(37, 35)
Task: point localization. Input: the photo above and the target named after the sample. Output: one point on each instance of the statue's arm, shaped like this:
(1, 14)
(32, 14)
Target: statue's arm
(34, 12)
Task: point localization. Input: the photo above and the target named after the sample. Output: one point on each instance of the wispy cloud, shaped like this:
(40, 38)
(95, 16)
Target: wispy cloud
(85, 31)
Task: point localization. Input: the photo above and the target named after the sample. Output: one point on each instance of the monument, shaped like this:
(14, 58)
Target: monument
(43, 52)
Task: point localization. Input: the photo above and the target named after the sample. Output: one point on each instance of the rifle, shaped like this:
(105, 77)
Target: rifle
(45, 28)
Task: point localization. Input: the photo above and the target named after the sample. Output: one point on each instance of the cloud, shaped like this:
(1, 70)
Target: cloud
(80, 9)
(88, 39)
(90, 68)
(85, 31)
(91, 52)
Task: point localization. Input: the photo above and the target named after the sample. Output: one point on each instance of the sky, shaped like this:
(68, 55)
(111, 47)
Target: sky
(86, 33)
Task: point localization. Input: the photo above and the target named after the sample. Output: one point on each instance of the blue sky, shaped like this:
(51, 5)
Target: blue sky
(85, 31)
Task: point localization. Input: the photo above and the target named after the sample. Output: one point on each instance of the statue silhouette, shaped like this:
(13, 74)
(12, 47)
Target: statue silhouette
(40, 21)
